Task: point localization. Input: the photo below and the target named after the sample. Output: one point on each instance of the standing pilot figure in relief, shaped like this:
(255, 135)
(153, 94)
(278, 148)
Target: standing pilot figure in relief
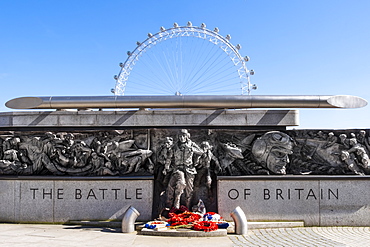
(164, 158)
(204, 167)
(183, 171)
(271, 151)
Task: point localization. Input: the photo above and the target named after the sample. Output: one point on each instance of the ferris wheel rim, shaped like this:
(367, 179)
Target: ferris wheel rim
(189, 31)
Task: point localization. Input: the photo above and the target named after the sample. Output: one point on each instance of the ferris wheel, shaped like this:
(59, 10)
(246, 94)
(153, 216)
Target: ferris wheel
(192, 61)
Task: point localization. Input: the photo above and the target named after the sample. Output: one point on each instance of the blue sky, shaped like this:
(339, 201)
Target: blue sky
(296, 47)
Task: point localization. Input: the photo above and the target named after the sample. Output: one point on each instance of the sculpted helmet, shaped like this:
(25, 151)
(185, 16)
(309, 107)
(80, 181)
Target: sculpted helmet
(262, 146)
(185, 132)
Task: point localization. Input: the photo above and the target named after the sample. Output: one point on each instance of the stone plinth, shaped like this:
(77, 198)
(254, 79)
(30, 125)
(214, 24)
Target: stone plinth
(317, 200)
(57, 200)
(150, 118)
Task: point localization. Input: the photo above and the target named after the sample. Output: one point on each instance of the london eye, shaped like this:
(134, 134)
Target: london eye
(185, 60)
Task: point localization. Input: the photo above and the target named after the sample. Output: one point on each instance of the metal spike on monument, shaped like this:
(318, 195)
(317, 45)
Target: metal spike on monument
(187, 101)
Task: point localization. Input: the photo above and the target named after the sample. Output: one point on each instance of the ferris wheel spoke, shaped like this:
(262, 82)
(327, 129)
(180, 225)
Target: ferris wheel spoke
(201, 70)
(164, 71)
(195, 60)
(171, 62)
(225, 83)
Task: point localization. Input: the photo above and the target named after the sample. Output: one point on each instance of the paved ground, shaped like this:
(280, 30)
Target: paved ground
(305, 236)
(63, 235)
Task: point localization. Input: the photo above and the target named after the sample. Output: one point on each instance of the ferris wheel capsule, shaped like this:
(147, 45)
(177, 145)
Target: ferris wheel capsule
(175, 25)
(203, 25)
(246, 58)
(189, 24)
(162, 29)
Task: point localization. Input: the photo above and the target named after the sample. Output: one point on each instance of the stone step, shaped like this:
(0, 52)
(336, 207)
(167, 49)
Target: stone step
(274, 224)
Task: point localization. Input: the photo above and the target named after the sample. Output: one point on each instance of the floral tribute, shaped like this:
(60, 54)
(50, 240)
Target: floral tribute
(156, 224)
(206, 226)
(183, 218)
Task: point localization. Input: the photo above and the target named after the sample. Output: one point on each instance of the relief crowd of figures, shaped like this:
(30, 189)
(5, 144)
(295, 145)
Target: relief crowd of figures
(98, 154)
(221, 152)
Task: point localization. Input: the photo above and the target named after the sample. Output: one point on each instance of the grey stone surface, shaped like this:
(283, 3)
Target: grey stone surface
(75, 235)
(270, 200)
(318, 202)
(7, 202)
(273, 224)
(353, 206)
(152, 118)
(65, 200)
(35, 201)
(99, 200)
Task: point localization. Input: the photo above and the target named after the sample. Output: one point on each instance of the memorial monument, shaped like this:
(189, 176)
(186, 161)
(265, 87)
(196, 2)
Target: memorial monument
(161, 153)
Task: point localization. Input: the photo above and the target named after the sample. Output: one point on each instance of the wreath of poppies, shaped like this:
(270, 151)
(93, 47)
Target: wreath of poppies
(183, 218)
(206, 226)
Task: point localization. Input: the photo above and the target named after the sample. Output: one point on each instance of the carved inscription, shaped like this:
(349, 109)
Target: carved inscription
(87, 194)
(284, 194)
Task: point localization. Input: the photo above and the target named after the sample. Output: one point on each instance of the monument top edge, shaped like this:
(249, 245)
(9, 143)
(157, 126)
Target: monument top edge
(151, 118)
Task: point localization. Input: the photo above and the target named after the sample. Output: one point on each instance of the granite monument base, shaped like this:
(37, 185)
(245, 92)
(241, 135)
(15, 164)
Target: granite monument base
(59, 200)
(316, 200)
(60, 166)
